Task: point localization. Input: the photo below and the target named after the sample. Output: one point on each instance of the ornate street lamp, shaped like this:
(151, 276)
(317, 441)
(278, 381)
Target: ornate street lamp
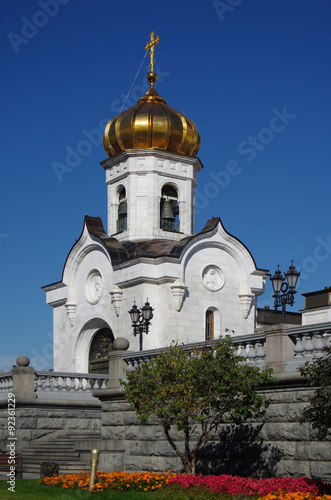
(141, 319)
(284, 288)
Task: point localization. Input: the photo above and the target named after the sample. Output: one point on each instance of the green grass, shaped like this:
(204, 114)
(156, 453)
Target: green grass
(30, 489)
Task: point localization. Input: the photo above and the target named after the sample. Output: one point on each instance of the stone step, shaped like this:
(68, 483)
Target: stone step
(59, 449)
(33, 454)
(47, 446)
(63, 469)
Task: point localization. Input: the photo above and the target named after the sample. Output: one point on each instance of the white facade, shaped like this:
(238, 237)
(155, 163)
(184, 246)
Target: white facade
(143, 174)
(183, 275)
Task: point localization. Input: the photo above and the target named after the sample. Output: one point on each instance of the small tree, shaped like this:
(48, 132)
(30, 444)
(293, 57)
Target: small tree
(193, 390)
(318, 373)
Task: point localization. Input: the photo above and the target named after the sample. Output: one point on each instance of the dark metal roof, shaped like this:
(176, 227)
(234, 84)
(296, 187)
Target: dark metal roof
(129, 250)
(115, 248)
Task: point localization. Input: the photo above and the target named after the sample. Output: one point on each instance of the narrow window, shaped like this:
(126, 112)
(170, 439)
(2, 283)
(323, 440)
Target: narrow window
(209, 325)
(122, 212)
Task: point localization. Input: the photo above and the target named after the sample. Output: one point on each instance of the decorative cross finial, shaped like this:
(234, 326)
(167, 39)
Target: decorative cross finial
(151, 45)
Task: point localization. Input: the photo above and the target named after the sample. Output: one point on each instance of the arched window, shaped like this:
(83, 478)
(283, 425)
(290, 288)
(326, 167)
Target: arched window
(209, 329)
(122, 211)
(99, 350)
(169, 209)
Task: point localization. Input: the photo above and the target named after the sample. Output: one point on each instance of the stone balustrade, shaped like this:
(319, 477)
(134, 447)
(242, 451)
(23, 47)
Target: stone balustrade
(277, 346)
(57, 385)
(309, 343)
(6, 382)
(62, 385)
(251, 347)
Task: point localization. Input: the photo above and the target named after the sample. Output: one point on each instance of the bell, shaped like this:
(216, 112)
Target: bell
(167, 212)
(123, 209)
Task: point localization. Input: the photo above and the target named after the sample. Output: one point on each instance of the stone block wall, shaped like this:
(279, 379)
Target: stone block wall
(38, 418)
(276, 446)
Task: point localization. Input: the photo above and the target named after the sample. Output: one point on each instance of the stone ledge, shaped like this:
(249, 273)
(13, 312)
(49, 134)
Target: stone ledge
(52, 402)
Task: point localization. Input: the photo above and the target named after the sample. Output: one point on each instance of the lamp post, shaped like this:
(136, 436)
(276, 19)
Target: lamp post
(284, 288)
(141, 319)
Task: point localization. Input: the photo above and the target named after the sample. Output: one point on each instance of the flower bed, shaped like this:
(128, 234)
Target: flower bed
(225, 486)
(238, 486)
(121, 481)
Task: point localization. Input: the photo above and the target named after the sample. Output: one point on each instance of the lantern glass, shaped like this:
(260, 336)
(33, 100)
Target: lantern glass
(147, 312)
(277, 281)
(292, 276)
(134, 313)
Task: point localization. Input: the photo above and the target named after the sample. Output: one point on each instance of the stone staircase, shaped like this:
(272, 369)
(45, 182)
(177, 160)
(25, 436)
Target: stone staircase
(59, 449)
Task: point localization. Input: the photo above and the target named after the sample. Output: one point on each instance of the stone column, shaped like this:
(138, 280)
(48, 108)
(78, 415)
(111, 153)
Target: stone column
(278, 347)
(23, 379)
(117, 367)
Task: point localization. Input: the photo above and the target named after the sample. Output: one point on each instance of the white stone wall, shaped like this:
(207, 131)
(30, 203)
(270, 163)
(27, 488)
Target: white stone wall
(143, 174)
(80, 310)
(318, 315)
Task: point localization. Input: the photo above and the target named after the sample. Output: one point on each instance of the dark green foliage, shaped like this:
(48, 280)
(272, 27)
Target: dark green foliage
(318, 373)
(176, 492)
(193, 390)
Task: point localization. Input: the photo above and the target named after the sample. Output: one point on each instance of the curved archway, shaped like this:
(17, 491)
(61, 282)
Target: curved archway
(99, 349)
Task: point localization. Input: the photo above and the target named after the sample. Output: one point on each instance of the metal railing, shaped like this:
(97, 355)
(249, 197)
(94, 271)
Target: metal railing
(121, 225)
(170, 225)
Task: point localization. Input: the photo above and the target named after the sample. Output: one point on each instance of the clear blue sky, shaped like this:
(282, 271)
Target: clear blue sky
(255, 78)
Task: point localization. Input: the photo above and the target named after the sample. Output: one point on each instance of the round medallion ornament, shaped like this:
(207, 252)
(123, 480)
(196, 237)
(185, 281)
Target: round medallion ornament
(94, 287)
(213, 278)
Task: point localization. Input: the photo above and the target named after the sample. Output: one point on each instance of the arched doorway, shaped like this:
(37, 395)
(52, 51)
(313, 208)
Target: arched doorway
(101, 345)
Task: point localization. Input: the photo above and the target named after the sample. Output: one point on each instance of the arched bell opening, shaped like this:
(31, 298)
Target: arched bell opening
(169, 209)
(122, 215)
(101, 345)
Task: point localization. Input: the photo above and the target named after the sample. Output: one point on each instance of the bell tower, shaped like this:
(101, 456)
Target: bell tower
(151, 172)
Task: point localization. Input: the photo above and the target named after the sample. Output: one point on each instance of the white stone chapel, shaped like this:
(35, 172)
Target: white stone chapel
(199, 285)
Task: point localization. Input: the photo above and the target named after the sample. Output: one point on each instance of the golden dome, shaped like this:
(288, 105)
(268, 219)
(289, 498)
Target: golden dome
(150, 124)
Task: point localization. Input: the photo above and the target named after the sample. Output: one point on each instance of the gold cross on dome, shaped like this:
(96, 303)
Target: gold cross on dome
(151, 45)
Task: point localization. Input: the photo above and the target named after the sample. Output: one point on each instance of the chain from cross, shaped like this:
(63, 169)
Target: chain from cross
(151, 46)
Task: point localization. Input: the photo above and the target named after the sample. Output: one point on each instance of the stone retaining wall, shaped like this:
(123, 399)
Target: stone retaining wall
(275, 447)
(36, 419)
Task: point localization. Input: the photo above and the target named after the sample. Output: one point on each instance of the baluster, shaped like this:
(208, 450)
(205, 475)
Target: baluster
(43, 382)
(319, 347)
(104, 384)
(328, 339)
(88, 385)
(260, 353)
(298, 348)
(251, 355)
(243, 351)
(62, 384)
(3, 384)
(56, 384)
(39, 383)
(80, 386)
(47, 384)
(309, 347)
(70, 384)
(10, 383)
